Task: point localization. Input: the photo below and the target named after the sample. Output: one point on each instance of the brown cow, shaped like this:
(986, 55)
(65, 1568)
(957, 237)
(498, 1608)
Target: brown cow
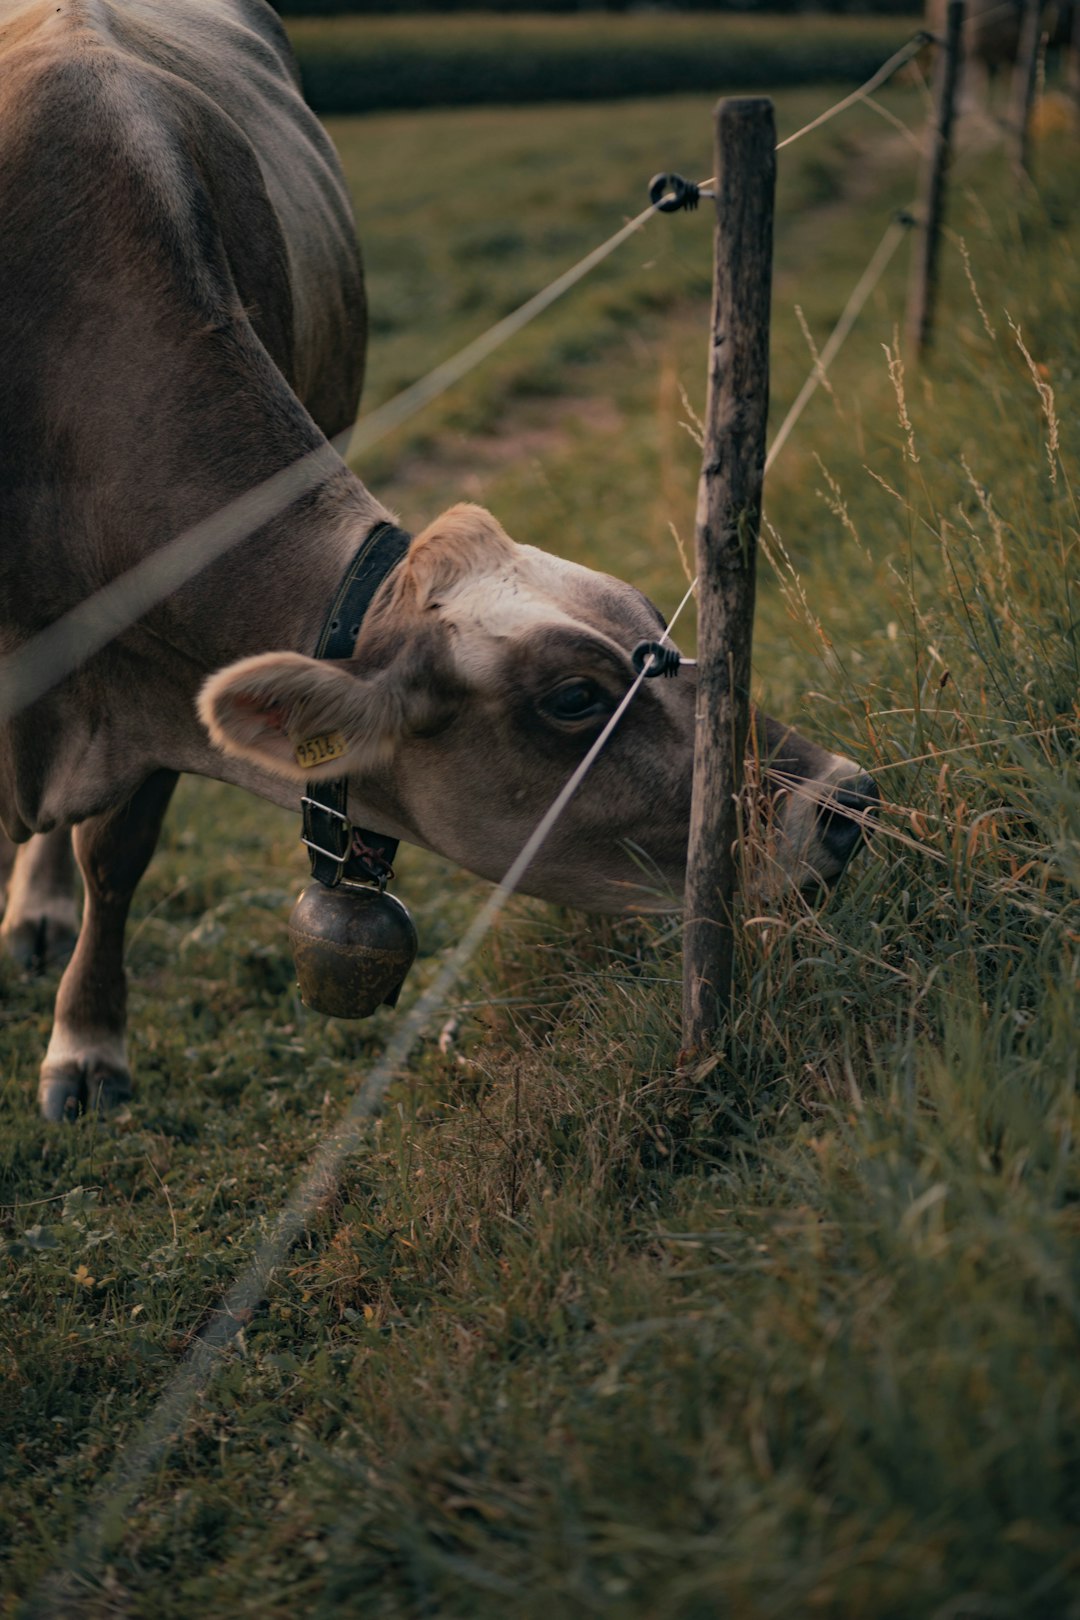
(181, 316)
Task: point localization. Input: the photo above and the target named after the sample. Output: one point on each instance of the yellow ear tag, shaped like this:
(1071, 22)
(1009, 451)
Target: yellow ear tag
(320, 750)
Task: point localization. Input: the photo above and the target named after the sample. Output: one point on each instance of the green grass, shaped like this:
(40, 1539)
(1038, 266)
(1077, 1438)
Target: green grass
(795, 1333)
(370, 64)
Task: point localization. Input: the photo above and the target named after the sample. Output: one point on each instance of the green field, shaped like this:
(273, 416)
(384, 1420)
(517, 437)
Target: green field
(796, 1333)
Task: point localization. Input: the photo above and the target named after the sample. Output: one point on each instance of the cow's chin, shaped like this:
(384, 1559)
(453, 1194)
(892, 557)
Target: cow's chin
(776, 869)
(794, 849)
(612, 897)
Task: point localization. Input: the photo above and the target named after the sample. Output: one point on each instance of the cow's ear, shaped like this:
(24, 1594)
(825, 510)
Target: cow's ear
(302, 718)
(464, 540)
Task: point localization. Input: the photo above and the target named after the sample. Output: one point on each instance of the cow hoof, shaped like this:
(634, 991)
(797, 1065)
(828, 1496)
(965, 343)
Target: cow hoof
(40, 943)
(69, 1089)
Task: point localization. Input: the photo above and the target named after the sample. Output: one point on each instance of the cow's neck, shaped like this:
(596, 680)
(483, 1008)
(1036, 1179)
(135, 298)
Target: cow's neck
(273, 590)
(188, 416)
(272, 593)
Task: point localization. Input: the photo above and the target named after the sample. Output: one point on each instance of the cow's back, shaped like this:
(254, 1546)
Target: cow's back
(181, 311)
(226, 67)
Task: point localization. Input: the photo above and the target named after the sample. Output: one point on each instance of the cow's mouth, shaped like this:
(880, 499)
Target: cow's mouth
(843, 818)
(841, 824)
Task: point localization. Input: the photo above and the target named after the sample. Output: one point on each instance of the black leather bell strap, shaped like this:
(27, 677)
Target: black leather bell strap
(337, 849)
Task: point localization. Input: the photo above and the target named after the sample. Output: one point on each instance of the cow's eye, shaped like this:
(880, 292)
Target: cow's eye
(576, 700)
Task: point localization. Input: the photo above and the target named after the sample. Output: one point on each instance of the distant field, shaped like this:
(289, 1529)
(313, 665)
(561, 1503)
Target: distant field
(367, 64)
(580, 1335)
(444, 260)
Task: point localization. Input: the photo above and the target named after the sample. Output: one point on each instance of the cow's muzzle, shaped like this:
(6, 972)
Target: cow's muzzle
(844, 817)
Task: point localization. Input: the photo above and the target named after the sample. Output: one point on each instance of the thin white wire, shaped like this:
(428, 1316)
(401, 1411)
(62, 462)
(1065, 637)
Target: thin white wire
(318, 1180)
(869, 279)
(897, 123)
(63, 646)
(93, 628)
(187, 1383)
(57, 651)
(886, 71)
(69, 641)
(385, 418)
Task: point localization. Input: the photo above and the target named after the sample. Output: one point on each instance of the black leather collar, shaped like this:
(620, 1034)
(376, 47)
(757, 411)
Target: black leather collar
(338, 849)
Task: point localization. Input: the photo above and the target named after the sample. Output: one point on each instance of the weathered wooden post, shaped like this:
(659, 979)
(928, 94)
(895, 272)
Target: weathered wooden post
(1072, 55)
(922, 293)
(728, 518)
(1023, 86)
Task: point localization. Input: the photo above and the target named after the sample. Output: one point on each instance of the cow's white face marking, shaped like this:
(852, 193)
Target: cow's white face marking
(487, 610)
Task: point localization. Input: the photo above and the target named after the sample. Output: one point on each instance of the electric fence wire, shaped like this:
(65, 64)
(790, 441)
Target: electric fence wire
(178, 561)
(316, 1184)
(55, 652)
(318, 1180)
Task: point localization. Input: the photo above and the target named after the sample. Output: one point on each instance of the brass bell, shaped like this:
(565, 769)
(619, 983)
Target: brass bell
(352, 946)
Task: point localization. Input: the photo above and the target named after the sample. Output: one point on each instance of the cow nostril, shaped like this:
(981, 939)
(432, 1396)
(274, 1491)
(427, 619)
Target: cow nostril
(842, 816)
(859, 793)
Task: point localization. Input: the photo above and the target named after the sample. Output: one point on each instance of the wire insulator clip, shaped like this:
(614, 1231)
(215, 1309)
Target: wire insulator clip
(670, 192)
(653, 658)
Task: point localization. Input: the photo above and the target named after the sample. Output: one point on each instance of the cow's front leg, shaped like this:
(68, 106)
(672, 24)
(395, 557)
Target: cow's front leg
(86, 1063)
(40, 916)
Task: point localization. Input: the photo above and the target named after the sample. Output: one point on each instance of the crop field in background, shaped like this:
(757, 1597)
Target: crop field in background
(367, 64)
(793, 1334)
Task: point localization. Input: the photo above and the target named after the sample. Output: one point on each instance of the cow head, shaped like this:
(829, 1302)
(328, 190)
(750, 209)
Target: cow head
(482, 673)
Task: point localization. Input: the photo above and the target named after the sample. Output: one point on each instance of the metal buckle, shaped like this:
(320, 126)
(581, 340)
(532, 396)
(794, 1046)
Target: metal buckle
(342, 860)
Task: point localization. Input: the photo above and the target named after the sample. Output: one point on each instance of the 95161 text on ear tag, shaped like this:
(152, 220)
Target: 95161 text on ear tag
(320, 750)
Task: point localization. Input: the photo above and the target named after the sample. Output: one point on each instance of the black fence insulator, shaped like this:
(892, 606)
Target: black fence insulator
(684, 193)
(664, 660)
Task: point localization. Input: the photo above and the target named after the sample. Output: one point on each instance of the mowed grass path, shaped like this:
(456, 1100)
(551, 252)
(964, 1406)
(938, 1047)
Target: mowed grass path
(794, 1334)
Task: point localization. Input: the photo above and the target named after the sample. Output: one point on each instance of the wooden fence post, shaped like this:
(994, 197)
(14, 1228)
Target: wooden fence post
(1072, 55)
(922, 294)
(728, 518)
(1023, 86)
